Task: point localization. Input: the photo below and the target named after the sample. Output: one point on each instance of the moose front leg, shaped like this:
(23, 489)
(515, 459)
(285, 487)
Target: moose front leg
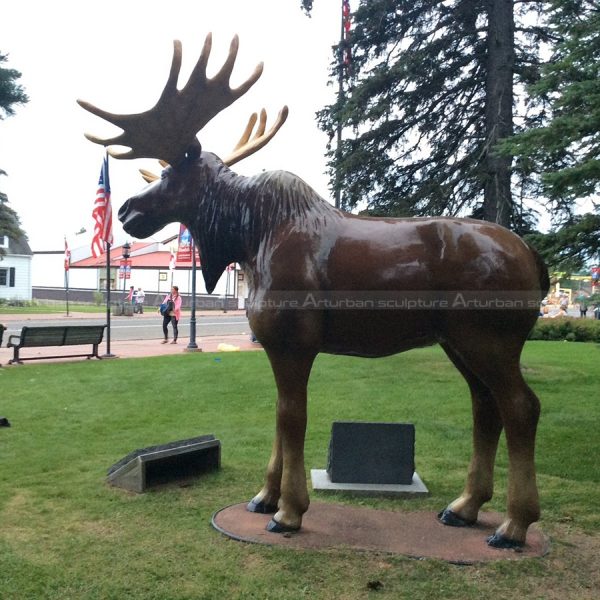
(266, 500)
(286, 477)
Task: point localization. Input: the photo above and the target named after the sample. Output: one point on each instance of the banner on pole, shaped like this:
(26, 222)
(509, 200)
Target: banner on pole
(124, 269)
(67, 259)
(184, 245)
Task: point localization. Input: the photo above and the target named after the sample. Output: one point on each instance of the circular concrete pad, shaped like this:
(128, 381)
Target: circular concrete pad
(415, 534)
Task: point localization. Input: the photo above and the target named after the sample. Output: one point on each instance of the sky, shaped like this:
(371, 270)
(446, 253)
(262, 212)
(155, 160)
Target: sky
(116, 54)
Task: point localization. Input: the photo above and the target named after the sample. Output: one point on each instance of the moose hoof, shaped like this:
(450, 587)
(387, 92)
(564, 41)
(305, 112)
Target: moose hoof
(500, 541)
(449, 517)
(274, 527)
(261, 507)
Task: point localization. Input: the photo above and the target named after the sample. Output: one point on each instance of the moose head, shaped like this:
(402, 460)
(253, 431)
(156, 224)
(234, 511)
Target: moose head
(168, 131)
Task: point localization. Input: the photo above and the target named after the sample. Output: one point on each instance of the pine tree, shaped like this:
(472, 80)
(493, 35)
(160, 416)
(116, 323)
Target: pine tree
(571, 247)
(11, 94)
(431, 92)
(10, 224)
(565, 150)
(562, 154)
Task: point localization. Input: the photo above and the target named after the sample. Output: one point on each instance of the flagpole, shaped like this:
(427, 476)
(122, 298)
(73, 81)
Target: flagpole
(108, 353)
(107, 239)
(344, 65)
(67, 289)
(340, 96)
(226, 289)
(66, 265)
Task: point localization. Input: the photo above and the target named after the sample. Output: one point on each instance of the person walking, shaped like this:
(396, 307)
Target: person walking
(172, 314)
(139, 301)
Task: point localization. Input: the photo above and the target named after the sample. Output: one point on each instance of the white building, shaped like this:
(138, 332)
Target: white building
(149, 268)
(15, 269)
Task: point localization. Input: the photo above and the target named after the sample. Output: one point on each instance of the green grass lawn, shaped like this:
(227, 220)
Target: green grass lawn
(66, 534)
(46, 308)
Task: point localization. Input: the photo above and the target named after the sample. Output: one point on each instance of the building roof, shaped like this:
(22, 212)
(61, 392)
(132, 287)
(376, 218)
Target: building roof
(143, 255)
(18, 246)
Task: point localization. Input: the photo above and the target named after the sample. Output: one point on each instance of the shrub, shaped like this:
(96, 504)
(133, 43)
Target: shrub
(566, 328)
(18, 302)
(98, 298)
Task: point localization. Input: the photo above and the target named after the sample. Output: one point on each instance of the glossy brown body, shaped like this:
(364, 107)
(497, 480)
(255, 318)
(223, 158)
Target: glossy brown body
(325, 281)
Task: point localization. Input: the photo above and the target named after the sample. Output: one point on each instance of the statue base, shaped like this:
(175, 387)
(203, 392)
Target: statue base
(417, 534)
(322, 482)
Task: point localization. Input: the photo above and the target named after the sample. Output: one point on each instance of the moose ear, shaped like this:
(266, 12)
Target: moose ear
(190, 156)
(193, 152)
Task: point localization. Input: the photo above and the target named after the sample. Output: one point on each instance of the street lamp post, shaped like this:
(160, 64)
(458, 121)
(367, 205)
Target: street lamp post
(126, 255)
(193, 346)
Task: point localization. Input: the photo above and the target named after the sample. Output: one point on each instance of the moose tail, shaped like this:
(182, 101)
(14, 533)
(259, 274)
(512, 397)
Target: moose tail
(544, 278)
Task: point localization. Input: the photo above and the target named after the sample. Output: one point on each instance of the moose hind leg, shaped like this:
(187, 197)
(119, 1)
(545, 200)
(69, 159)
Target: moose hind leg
(487, 426)
(520, 410)
(494, 361)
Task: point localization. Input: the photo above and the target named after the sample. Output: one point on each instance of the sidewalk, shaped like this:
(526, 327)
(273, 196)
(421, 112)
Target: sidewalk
(129, 348)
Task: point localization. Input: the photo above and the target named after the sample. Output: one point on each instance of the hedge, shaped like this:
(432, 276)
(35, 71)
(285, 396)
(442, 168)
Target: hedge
(566, 328)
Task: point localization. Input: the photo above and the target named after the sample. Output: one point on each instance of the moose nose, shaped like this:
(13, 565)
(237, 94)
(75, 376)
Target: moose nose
(123, 210)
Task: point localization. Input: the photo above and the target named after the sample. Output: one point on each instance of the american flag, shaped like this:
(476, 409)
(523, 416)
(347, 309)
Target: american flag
(102, 213)
(67, 256)
(346, 47)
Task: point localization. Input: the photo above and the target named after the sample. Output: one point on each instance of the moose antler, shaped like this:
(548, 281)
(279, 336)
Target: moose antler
(169, 129)
(148, 176)
(246, 146)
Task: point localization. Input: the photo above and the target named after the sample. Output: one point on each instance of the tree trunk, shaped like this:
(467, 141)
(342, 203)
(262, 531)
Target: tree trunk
(497, 202)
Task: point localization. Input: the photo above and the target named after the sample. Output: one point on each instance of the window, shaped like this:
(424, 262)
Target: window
(3, 241)
(7, 277)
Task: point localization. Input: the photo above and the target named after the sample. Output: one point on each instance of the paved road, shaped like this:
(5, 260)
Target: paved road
(142, 327)
(149, 325)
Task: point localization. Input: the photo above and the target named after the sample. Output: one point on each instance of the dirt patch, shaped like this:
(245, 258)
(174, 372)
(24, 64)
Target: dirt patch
(572, 566)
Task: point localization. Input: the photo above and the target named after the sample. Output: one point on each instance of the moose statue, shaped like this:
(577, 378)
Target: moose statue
(292, 244)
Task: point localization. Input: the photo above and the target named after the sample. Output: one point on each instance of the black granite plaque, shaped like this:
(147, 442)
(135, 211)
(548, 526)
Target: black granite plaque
(362, 452)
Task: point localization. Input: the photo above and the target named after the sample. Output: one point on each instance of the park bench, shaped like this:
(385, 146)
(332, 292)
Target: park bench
(66, 335)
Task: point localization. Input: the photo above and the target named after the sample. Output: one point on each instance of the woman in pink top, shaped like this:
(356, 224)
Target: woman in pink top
(173, 316)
